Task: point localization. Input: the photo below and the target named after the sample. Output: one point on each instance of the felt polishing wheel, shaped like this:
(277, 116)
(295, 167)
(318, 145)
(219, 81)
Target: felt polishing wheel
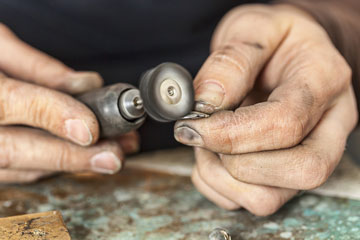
(167, 92)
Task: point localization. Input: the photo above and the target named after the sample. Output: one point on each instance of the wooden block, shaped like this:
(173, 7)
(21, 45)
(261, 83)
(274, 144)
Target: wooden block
(38, 226)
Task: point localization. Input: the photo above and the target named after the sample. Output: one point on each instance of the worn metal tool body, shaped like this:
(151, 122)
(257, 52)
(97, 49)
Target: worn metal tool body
(111, 107)
(165, 94)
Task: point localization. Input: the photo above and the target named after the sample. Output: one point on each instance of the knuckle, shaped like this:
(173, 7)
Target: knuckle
(297, 130)
(64, 160)
(341, 73)
(233, 56)
(346, 73)
(236, 170)
(315, 171)
(292, 130)
(227, 130)
(264, 203)
(39, 112)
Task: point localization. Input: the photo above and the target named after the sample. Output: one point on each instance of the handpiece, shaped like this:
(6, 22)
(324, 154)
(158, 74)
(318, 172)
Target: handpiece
(165, 94)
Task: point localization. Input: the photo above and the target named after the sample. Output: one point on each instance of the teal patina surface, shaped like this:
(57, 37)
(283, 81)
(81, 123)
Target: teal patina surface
(139, 205)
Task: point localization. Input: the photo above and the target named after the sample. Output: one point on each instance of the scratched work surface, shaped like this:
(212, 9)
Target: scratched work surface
(143, 205)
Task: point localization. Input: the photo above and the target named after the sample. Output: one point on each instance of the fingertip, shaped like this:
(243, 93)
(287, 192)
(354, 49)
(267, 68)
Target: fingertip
(79, 82)
(83, 130)
(78, 131)
(106, 162)
(188, 136)
(209, 96)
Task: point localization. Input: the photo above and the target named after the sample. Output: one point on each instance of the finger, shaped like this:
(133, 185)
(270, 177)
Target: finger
(27, 63)
(290, 113)
(130, 142)
(307, 165)
(242, 44)
(17, 176)
(212, 195)
(32, 149)
(58, 113)
(259, 200)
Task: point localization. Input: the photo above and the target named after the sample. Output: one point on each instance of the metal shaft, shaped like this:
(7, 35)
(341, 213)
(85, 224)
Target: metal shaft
(118, 108)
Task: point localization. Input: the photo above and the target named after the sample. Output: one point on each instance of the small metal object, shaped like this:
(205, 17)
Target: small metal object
(167, 92)
(219, 234)
(195, 115)
(130, 104)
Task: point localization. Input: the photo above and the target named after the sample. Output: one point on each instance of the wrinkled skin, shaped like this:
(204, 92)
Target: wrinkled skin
(64, 132)
(282, 107)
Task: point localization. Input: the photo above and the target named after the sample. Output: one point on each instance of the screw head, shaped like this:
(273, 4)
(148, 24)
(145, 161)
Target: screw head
(170, 91)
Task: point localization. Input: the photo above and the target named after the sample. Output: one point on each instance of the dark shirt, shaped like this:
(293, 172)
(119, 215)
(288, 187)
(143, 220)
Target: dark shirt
(120, 38)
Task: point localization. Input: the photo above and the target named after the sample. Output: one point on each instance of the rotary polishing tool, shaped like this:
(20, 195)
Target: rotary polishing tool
(165, 94)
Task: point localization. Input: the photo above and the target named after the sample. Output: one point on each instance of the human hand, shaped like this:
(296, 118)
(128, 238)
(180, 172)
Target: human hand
(32, 93)
(293, 109)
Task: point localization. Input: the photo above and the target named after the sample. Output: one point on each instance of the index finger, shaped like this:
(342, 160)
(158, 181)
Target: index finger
(281, 122)
(24, 62)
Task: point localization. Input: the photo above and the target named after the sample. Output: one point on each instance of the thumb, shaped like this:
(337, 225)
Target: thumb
(24, 62)
(242, 44)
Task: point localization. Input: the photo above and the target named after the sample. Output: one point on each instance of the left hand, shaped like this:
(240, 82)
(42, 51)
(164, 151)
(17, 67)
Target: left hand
(294, 109)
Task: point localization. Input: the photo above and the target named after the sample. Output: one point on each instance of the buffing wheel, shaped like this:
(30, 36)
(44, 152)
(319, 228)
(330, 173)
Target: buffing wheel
(167, 92)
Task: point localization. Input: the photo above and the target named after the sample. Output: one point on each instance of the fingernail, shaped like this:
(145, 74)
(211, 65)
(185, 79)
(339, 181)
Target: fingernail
(203, 107)
(78, 131)
(210, 94)
(78, 82)
(188, 136)
(105, 162)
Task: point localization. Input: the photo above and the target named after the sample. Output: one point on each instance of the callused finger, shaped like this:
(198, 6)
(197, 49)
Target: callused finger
(260, 200)
(242, 44)
(58, 113)
(24, 62)
(307, 165)
(32, 149)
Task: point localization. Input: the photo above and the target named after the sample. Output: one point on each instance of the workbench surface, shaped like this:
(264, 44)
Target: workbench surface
(144, 205)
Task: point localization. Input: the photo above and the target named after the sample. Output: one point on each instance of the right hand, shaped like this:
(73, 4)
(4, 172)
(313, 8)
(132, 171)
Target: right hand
(32, 93)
